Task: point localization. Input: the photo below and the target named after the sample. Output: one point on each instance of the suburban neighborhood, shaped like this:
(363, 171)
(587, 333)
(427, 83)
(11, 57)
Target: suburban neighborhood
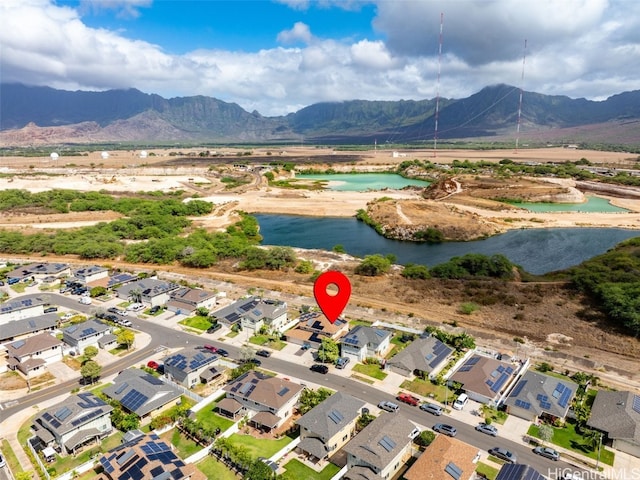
(224, 404)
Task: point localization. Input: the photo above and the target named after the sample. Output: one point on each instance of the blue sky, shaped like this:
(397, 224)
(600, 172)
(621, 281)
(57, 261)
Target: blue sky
(279, 56)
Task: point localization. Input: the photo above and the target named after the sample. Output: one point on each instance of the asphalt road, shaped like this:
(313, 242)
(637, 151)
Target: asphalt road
(168, 337)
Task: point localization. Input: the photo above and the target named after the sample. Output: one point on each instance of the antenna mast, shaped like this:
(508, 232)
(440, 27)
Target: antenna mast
(524, 56)
(435, 133)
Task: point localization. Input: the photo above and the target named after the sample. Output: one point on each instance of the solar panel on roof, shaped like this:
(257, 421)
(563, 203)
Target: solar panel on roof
(245, 388)
(18, 344)
(509, 370)
(283, 391)
(386, 443)
(499, 383)
(121, 388)
(545, 405)
(106, 465)
(153, 380)
(72, 329)
(350, 340)
(335, 416)
(495, 373)
(500, 368)
(125, 456)
(473, 360)
(32, 323)
(381, 333)
(564, 399)
(63, 413)
(133, 400)
(635, 405)
(516, 391)
(453, 470)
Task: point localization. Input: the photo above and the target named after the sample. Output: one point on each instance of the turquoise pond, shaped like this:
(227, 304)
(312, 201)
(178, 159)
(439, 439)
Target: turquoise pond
(592, 205)
(361, 182)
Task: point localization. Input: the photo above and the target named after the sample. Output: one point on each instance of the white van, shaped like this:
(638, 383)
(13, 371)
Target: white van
(461, 401)
(85, 300)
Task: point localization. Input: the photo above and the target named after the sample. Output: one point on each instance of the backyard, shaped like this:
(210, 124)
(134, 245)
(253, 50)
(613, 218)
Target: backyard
(212, 468)
(296, 470)
(568, 438)
(260, 447)
(185, 446)
(70, 462)
(211, 420)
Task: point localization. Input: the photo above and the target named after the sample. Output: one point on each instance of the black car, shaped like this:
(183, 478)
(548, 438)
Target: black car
(222, 353)
(155, 309)
(113, 310)
(316, 367)
(50, 309)
(214, 328)
(263, 353)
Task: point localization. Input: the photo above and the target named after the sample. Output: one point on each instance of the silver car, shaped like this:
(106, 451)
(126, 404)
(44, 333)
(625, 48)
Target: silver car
(488, 429)
(547, 452)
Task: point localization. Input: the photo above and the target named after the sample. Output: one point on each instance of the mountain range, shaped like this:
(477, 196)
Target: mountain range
(32, 115)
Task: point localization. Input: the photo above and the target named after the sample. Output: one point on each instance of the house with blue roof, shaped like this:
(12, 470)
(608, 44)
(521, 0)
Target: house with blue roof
(82, 335)
(190, 366)
(364, 341)
(141, 393)
(423, 357)
(537, 395)
(485, 379)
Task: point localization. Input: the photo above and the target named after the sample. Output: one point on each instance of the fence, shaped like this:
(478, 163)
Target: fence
(184, 390)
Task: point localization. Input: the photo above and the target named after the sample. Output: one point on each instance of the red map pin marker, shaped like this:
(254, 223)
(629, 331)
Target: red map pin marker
(332, 305)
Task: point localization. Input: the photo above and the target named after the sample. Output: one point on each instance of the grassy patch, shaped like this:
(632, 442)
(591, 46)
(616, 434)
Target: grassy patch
(260, 447)
(568, 438)
(373, 370)
(212, 468)
(10, 457)
(355, 323)
(497, 460)
(267, 341)
(259, 340)
(209, 419)
(41, 379)
(120, 350)
(184, 446)
(296, 470)
(398, 344)
(72, 363)
(427, 389)
(487, 471)
(232, 334)
(197, 322)
(496, 416)
(68, 463)
(19, 287)
(363, 379)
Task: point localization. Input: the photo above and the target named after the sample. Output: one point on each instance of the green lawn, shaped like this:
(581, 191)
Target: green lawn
(212, 468)
(232, 334)
(266, 341)
(260, 447)
(10, 456)
(426, 389)
(398, 345)
(185, 446)
(373, 370)
(363, 379)
(296, 470)
(487, 470)
(355, 323)
(209, 419)
(568, 438)
(19, 287)
(65, 464)
(197, 322)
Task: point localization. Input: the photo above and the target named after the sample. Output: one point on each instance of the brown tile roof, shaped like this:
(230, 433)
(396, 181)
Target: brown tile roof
(37, 343)
(477, 370)
(442, 451)
(265, 390)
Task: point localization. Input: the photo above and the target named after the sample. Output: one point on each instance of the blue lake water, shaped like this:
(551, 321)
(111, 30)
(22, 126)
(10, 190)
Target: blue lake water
(536, 250)
(361, 182)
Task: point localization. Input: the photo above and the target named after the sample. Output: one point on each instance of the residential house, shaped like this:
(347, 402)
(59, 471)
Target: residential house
(539, 395)
(80, 419)
(187, 300)
(21, 308)
(149, 291)
(364, 341)
(33, 354)
(312, 327)
(85, 334)
(25, 327)
(90, 275)
(253, 313)
(381, 448)
(327, 427)
(116, 280)
(423, 357)
(146, 456)
(141, 393)
(187, 366)
(39, 270)
(617, 414)
(517, 471)
(484, 379)
(445, 458)
(271, 400)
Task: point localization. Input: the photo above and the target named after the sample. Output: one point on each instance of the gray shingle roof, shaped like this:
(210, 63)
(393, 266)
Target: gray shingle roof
(618, 414)
(149, 287)
(75, 411)
(423, 354)
(364, 335)
(539, 393)
(190, 360)
(28, 325)
(141, 392)
(253, 308)
(80, 331)
(390, 430)
(21, 304)
(332, 415)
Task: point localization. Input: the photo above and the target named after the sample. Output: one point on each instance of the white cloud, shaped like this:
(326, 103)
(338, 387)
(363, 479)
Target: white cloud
(299, 33)
(581, 48)
(129, 9)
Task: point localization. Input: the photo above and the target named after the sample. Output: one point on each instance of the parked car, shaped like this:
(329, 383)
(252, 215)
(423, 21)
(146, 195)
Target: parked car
(503, 454)
(153, 364)
(388, 406)
(214, 328)
(432, 408)
(547, 452)
(445, 429)
(461, 401)
(67, 316)
(211, 348)
(111, 317)
(155, 309)
(85, 300)
(316, 367)
(306, 346)
(1, 283)
(124, 322)
(2, 461)
(112, 310)
(50, 309)
(409, 399)
(263, 353)
(122, 313)
(222, 353)
(135, 307)
(488, 429)
(342, 362)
